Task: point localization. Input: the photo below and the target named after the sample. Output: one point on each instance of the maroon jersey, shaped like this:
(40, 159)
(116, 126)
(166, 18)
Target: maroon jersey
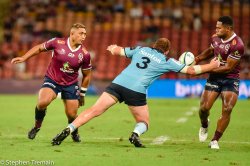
(66, 62)
(231, 48)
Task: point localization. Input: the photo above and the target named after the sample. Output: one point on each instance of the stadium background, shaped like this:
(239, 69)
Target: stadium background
(188, 24)
(172, 138)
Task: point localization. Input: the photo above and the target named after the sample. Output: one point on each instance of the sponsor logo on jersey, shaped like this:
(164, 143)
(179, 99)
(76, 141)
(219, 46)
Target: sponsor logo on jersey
(71, 55)
(221, 46)
(234, 42)
(62, 51)
(151, 56)
(215, 44)
(60, 41)
(80, 57)
(236, 53)
(227, 48)
(66, 68)
(220, 57)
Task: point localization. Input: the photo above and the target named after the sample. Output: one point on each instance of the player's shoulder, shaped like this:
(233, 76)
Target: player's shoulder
(57, 40)
(237, 41)
(61, 40)
(237, 44)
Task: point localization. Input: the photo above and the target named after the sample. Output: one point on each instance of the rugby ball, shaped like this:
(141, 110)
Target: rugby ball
(187, 58)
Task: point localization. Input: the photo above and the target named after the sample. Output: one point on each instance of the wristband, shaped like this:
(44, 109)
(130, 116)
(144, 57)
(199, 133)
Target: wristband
(122, 52)
(83, 91)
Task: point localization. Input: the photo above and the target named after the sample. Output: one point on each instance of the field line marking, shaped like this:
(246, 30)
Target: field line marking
(181, 120)
(142, 138)
(160, 140)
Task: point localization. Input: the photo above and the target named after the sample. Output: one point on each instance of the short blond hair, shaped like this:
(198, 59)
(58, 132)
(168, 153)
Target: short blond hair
(162, 44)
(78, 25)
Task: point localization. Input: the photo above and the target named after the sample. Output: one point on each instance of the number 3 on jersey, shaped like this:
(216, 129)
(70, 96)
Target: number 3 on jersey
(144, 64)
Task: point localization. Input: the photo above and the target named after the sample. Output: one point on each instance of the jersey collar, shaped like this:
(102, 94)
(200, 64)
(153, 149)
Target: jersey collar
(73, 50)
(225, 41)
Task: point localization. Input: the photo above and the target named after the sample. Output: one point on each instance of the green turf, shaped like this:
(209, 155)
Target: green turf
(105, 139)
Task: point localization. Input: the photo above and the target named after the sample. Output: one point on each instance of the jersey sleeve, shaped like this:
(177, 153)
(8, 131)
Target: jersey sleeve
(213, 41)
(174, 65)
(87, 62)
(130, 51)
(50, 44)
(236, 50)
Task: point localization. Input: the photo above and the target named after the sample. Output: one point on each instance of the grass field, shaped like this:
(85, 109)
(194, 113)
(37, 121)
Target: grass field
(171, 140)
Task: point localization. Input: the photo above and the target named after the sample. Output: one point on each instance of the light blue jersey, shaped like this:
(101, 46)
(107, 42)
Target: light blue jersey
(147, 64)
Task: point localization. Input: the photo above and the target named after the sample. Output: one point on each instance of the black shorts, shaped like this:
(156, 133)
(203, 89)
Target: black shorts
(129, 97)
(223, 84)
(69, 92)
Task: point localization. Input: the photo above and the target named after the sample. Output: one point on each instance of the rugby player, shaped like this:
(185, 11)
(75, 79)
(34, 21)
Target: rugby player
(224, 80)
(68, 56)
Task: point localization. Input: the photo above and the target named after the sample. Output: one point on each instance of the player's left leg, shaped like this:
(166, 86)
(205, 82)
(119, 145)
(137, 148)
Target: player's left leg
(71, 107)
(229, 100)
(104, 102)
(141, 115)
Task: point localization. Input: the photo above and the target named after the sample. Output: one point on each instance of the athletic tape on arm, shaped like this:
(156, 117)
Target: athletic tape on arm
(122, 52)
(197, 69)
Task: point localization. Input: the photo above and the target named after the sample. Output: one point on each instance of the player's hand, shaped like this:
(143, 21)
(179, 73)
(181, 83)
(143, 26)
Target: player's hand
(17, 60)
(215, 62)
(81, 101)
(111, 47)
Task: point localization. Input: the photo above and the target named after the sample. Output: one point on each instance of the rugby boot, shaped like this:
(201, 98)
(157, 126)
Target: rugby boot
(203, 133)
(32, 133)
(75, 136)
(134, 139)
(214, 145)
(60, 137)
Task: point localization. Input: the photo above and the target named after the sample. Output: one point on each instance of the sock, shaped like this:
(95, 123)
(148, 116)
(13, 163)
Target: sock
(71, 127)
(140, 128)
(70, 120)
(39, 116)
(217, 135)
(204, 123)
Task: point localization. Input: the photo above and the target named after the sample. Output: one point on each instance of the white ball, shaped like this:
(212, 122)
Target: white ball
(187, 58)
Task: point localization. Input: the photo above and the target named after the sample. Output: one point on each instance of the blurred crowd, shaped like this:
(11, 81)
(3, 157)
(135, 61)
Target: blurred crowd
(187, 23)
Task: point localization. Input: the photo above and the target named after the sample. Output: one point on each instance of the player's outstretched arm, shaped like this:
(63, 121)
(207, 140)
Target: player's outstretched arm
(33, 51)
(199, 69)
(116, 50)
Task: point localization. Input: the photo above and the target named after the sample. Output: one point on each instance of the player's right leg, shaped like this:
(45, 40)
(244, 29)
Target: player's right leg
(207, 100)
(104, 102)
(46, 95)
(141, 116)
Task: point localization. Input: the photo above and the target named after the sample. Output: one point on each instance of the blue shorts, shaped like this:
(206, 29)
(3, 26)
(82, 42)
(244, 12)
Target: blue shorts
(223, 84)
(129, 97)
(67, 92)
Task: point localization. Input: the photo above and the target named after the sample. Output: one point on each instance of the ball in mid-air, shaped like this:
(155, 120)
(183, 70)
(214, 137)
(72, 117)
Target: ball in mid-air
(187, 58)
